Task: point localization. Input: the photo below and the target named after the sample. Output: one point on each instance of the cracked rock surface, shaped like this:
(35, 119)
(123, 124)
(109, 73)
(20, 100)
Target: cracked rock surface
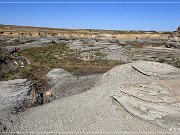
(157, 100)
(156, 69)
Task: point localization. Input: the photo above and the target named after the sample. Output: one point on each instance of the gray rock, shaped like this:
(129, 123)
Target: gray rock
(73, 86)
(156, 69)
(153, 99)
(92, 111)
(16, 91)
(155, 53)
(58, 75)
(113, 40)
(15, 96)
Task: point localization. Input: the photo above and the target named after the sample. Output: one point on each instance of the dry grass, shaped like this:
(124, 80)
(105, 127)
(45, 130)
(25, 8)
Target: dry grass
(174, 62)
(61, 56)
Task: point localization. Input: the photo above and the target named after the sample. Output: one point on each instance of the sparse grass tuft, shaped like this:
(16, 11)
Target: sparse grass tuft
(174, 62)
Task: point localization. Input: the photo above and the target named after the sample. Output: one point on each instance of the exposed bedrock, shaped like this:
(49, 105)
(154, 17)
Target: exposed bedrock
(137, 97)
(156, 53)
(155, 96)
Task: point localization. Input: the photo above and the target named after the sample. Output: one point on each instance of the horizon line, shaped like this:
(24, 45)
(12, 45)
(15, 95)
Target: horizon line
(52, 27)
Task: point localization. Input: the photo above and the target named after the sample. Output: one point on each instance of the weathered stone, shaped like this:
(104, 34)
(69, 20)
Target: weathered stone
(156, 53)
(156, 69)
(156, 100)
(15, 96)
(150, 92)
(165, 115)
(58, 74)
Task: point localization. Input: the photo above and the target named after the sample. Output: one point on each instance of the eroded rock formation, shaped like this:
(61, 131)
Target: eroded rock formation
(141, 96)
(157, 98)
(15, 96)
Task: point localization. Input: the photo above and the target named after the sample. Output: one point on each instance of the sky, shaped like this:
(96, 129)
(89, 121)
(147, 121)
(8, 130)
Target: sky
(113, 16)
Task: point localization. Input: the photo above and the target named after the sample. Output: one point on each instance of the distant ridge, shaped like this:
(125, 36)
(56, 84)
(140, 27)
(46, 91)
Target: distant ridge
(19, 28)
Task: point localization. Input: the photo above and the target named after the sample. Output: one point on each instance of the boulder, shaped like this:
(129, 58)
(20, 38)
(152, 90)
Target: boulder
(56, 75)
(56, 78)
(15, 96)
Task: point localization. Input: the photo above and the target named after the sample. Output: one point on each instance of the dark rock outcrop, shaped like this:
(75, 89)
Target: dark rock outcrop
(178, 31)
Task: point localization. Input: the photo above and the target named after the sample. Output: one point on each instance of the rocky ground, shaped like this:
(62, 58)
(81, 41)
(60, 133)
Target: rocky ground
(124, 46)
(129, 98)
(60, 80)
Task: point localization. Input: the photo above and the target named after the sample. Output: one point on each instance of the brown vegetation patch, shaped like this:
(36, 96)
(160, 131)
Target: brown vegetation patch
(61, 56)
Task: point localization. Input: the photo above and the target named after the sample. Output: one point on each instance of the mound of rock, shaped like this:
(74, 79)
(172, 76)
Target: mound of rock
(136, 97)
(15, 96)
(65, 84)
(55, 79)
(58, 75)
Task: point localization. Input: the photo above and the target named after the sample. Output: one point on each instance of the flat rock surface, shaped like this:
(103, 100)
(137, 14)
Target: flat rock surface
(156, 69)
(156, 100)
